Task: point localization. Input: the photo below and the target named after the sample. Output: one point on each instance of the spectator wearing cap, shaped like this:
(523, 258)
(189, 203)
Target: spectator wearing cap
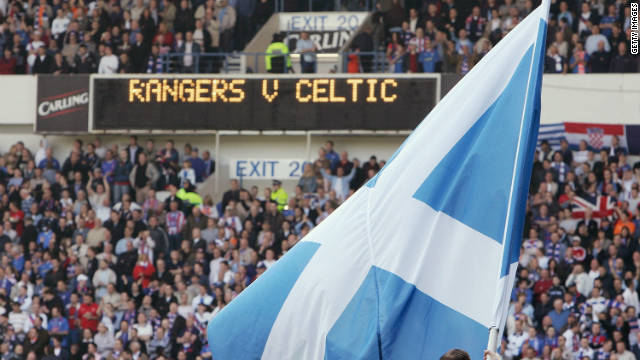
(278, 195)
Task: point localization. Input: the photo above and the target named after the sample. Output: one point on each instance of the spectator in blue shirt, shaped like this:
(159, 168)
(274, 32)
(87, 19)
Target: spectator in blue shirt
(108, 165)
(209, 164)
(168, 155)
(44, 238)
(559, 316)
(46, 265)
(463, 40)
(197, 165)
(607, 21)
(429, 57)
(58, 327)
(49, 162)
(121, 176)
(331, 155)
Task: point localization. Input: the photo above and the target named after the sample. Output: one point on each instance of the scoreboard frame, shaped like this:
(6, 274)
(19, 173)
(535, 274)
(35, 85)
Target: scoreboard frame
(346, 102)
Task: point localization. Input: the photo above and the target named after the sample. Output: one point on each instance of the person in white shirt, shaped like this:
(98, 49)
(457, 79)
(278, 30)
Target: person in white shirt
(109, 62)
(594, 270)
(597, 302)
(630, 295)
(634, 197)
(584, 283)
(515, 340)
(584, 350)
(145, 244)
(570, 334)
(59, 24)
(187, 173)
(623, 353)
(18, 319)
(202, 298)
(144, 328)
(582, 154)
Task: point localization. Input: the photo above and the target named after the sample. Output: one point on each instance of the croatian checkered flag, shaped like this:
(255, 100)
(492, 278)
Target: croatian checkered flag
(422, 259)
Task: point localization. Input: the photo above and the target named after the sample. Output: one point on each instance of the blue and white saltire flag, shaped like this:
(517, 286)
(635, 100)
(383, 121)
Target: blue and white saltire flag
(422, 259)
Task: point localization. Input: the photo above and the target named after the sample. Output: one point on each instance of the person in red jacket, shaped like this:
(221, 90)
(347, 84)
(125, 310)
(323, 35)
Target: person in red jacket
(16, 217)
(89, 313)
(144, 270)
(8, 63)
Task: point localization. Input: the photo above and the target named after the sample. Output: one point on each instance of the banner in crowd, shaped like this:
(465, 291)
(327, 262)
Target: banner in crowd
(63, 104)
(329, 30)
(603, 206)
(597, 136)
(261, 169)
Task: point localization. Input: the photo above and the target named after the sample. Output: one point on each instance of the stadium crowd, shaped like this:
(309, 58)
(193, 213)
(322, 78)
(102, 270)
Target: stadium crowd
(576, 293)
(451, 36)
(131, 36)
(128, 36)
(111, 253)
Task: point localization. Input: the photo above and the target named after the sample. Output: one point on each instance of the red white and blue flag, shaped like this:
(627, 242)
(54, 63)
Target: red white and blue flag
(598, 136)
(602, 208)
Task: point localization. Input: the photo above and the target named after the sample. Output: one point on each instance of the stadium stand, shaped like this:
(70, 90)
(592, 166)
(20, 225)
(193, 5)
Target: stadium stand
(111, 251)
(138, 36)
(95, 264)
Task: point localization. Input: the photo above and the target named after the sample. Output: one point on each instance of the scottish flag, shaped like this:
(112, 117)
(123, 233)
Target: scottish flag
(422, 259)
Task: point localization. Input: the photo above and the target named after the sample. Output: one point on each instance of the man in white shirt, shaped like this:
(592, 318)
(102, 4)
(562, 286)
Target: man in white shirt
(515, 340)
(591, 44)
(109, 62)
(570, 336)
(630, 295)
(584, 350)
(202, 298)
(59, 24)
(623, 353)
(414, 20)
(583, 282)
(18, 318)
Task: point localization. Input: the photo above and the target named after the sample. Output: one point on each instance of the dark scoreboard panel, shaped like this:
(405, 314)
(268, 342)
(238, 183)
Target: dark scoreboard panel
(269, 103)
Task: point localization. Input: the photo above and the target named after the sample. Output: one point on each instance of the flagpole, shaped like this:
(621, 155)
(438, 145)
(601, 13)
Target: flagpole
(493, 339)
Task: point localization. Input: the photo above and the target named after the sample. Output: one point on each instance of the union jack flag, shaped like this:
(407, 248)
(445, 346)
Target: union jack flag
(602, 208)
